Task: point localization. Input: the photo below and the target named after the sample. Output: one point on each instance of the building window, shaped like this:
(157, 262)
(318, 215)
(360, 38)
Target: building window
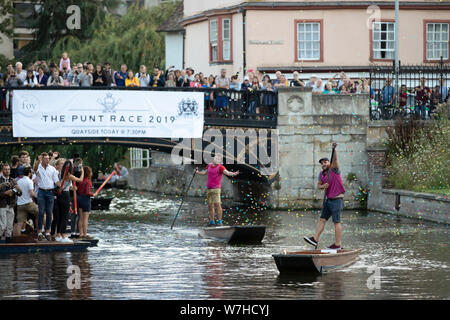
(437, 35)
(213, 39)
(220, 37)
(383, 40)
(226, 38)
(308, 40)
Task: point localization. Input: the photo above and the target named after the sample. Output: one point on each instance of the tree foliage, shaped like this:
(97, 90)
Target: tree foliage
(130, 39)
(6, 19)
(50, 23)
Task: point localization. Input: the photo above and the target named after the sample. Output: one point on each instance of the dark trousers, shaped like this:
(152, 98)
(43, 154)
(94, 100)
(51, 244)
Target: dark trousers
(61, 213)
(74, 223)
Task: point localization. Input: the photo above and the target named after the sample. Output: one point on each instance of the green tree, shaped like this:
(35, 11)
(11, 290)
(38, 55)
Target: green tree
(131, 39)
(6, 19)
(50, 22)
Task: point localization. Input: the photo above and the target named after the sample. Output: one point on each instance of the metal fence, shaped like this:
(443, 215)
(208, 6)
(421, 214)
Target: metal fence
(223, 107)
(418, 92)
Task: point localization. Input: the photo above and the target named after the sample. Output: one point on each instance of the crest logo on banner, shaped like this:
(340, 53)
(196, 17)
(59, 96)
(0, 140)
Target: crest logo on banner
(109, 103)
(188, 108)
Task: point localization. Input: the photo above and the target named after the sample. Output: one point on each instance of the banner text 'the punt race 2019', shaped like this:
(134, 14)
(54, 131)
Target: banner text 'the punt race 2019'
(107, 113)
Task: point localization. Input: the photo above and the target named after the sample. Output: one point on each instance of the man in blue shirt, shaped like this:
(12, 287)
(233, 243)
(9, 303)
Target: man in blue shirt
(121, 75)
(388, 93)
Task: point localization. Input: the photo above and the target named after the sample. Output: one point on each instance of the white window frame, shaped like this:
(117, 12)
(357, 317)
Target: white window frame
(140, 158)
(379, 36)
(308, 41)
(213, 39)
(437, 46)
(226, 41)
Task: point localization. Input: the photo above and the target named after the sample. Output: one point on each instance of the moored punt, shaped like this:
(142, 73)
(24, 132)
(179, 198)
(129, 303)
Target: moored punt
(92, 242)
(235, 234)
(38, 247)
(315, 261)
(100, 203)
(97, 183)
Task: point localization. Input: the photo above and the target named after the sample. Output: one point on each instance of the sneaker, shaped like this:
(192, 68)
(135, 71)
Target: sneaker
(219, 223)
(311, 241)
(58, 239)
(333, 246)
(66, 240)
(41, 237)
(48, 237)
(210, 224)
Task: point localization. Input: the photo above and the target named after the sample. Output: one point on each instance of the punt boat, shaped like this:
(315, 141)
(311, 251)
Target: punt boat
(33, 246)
(235, 234)
(314, 261)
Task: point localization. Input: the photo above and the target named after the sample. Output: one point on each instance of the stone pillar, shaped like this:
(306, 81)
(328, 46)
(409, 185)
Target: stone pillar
(377, 158)
(308, 124)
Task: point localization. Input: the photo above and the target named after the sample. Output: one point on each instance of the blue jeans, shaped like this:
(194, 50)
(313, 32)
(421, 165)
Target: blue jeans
(45, 203)
(252, 107)
(421, 110)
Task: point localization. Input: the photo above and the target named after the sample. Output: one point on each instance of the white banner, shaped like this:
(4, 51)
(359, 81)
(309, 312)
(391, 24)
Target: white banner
(107, 113)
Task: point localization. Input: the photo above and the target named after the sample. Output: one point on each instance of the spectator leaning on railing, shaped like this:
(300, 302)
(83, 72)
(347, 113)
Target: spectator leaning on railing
(296, 82)
(131, 80)
(143, 77)
(99, 77)
(30, 80)
(120, 76)
(157, 79)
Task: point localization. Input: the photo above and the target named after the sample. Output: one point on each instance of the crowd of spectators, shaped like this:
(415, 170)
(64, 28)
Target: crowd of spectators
(262, 87)
(35, 199)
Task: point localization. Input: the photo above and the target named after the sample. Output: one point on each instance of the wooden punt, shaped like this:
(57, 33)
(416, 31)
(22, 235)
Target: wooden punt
(314, 261)
(100, 203)
(97, 184)
(92, 242)
(235, 234)
(40, 247)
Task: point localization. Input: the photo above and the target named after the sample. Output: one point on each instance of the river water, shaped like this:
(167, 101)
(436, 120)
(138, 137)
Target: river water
(139, 257)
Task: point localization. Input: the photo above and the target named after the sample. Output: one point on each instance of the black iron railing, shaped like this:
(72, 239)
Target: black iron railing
(416, 92)
(223, 107)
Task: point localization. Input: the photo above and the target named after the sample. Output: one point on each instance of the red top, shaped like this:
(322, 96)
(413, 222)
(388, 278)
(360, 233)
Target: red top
(84, 188)
(214, 176)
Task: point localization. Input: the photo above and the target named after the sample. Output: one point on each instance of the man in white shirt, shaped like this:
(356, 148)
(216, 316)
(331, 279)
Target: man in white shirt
(47, 177)
(21, 74)
(25, 204)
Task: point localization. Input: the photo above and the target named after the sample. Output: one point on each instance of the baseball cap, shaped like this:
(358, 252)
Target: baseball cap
(323, 159)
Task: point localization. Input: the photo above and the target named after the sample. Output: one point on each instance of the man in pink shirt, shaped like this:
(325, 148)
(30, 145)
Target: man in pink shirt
(330, 180)
(215, 171)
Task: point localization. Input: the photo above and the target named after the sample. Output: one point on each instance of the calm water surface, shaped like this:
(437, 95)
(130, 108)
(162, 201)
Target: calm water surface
(139, 257)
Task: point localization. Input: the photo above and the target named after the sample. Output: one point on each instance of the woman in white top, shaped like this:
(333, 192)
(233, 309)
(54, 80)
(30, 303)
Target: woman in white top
(61, 206)
(30, 80)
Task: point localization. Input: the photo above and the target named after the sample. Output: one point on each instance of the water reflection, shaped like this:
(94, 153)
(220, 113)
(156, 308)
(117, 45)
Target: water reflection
(80, 259)
(214, 273)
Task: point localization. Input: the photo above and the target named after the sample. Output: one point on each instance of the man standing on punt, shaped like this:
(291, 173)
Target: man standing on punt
(331, 181)
(215, 171)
